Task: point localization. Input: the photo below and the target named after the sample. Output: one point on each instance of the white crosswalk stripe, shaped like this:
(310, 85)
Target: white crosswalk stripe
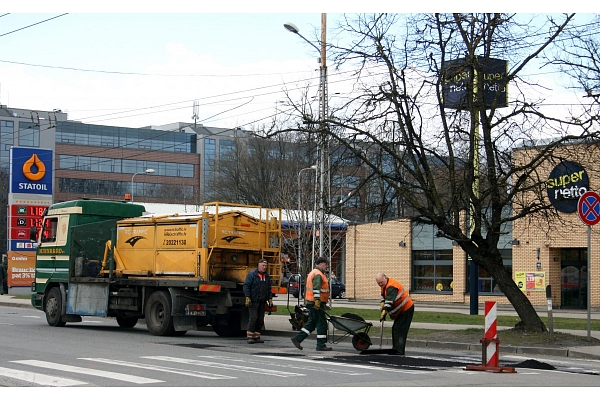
(88, 371)
(237, 367)
(348, 365)
(39, 379)
(195, 374)
(287, 363)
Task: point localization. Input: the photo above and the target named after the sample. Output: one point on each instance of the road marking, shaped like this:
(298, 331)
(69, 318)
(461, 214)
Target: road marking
(179, 371)
(32, 316)
(359, 366)
(39, 379)
(88, 371)
(292, 365)
(260, 371)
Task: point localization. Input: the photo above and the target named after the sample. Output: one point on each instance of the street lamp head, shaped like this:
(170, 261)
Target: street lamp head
(291, 27)
(149, 171)
(313, 166)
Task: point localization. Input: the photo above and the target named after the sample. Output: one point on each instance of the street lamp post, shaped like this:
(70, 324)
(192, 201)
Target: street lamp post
(148, 171)
(323, 144)
(299, 260)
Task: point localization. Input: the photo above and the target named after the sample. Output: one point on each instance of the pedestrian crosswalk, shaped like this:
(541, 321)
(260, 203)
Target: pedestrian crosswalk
(162, 370)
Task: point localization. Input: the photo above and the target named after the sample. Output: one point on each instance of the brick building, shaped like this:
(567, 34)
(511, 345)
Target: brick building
(540, 250)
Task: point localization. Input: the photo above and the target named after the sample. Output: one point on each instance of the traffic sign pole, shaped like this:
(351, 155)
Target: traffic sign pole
(588, 209)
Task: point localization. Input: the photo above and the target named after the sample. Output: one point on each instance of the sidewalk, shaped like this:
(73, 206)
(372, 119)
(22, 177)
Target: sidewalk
(279, 325)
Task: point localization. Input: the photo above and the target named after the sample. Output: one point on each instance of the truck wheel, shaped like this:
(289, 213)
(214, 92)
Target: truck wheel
(127, 322)
(54, 308)
(158, 314)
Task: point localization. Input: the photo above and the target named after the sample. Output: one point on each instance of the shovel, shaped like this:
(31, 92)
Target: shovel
(381, 350)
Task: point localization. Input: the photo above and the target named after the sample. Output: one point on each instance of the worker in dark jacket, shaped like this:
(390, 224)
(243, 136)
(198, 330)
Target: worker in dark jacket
(396, 303)
(257, 289)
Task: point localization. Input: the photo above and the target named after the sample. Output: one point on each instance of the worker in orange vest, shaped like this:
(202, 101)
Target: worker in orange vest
(396, 303)
(316, 296)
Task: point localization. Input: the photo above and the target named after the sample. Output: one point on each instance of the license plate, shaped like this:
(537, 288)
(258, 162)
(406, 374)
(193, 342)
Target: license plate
(197, 313)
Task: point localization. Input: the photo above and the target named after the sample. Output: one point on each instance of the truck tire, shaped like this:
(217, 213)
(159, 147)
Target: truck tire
(158, 314)
(54, 308)
(127, 322)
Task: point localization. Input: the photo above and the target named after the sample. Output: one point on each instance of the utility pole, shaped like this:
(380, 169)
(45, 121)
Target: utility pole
(322, 246)
(324, 188)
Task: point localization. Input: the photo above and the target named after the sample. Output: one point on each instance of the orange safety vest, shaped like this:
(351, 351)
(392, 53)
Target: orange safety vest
(401, 303)
(323, 292)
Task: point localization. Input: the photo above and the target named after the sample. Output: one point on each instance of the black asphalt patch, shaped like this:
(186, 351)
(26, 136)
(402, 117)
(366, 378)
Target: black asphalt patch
(533, 364)
(196, 345)
(396, 361)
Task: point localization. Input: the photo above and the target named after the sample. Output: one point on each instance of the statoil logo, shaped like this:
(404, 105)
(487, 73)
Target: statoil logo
(31, 170)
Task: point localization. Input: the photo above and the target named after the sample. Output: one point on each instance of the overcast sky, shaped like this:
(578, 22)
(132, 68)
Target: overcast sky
(132, 69)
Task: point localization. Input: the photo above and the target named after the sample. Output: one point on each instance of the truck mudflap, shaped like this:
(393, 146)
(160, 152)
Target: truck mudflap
(89, 298)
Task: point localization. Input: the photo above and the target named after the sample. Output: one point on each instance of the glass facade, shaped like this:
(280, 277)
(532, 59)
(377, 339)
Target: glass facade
(128, 138)
(7, 131)
(210, 154)
(115, 188)
(117, 165)
(29, 134)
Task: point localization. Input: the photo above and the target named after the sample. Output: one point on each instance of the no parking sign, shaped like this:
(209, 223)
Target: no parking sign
(588, 208)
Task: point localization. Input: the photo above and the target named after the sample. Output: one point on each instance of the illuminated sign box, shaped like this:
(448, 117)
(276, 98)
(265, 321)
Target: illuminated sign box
(458, 76)
(31, 170)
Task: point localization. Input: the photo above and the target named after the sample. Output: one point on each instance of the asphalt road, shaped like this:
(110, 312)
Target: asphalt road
(97, 353)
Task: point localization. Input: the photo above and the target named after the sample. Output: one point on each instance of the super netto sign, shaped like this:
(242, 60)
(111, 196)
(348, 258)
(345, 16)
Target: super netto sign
(459, 75)
(567, 182)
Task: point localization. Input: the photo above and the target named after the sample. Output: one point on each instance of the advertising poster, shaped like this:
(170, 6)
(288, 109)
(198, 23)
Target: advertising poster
(531, 281)
(21, 268)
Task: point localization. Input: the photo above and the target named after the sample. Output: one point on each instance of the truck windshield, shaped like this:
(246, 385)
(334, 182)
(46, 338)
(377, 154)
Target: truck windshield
(49, 230)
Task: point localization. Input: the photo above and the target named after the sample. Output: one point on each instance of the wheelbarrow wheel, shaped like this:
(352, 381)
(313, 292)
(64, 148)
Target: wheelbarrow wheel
(361, 341)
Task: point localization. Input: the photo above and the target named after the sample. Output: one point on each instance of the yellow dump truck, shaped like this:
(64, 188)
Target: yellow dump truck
(178, 272)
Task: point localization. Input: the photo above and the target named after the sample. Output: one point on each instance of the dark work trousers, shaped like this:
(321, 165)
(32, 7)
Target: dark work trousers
(400, 329)
(316, 319)
(256, 317)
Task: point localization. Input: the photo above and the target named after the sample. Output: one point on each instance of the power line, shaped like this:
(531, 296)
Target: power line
(140, 73)
(29, 26)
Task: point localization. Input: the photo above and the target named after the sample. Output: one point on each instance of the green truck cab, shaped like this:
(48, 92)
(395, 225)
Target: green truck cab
(73, 231)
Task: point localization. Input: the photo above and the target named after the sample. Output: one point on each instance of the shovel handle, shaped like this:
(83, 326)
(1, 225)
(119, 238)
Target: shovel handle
(381, 335)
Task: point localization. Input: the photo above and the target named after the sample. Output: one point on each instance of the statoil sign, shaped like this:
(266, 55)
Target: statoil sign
(31, 170)
(567, 182)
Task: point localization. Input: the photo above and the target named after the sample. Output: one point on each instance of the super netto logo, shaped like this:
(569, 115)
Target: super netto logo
(229, 239)
(133, 240)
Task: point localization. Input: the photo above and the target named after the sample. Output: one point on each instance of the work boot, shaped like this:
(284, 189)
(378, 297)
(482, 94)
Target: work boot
(324, 348)
(258, 340)
(251, 341)
(296, 343)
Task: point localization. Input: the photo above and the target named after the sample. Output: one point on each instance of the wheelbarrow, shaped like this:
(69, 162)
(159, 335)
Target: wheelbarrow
(299, 316)
(355, 325)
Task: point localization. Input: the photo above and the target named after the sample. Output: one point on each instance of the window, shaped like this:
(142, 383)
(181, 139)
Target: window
(49, 230)
(486, 284)
(432, 271)
(29, 134)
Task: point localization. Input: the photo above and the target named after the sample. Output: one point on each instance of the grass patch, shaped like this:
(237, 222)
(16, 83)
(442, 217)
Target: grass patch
(458, 319)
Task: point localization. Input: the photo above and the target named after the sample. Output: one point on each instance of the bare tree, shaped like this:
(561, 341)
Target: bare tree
(578, 57)
(429, 117)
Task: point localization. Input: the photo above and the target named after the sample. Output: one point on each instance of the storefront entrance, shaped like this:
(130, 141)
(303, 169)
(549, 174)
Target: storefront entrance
(573, 278)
